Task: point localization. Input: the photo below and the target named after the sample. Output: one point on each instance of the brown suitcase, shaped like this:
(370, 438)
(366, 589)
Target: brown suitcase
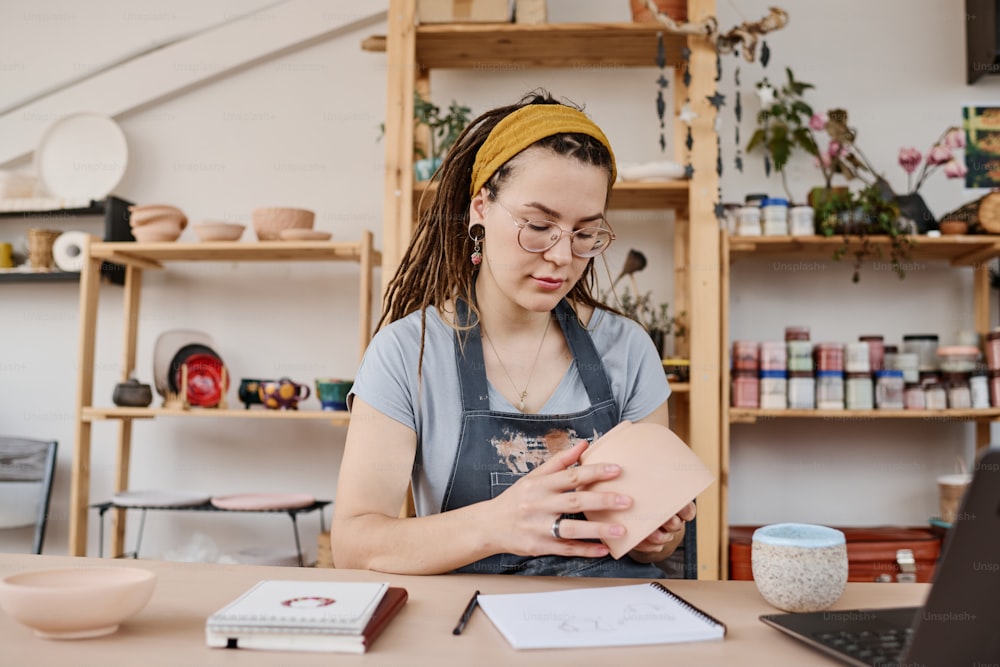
(887, 553)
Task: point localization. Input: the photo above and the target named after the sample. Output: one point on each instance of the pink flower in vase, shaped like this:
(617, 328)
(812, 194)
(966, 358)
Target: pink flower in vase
(818, 122)
(954, 138)
(909, 159)
(939, 154)
(955, 169)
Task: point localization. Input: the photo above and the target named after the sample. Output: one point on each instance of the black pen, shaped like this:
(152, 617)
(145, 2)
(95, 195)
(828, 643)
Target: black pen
(467, 614)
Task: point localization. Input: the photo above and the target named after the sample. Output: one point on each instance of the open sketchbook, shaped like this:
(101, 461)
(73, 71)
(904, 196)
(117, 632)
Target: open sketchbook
(646, 613)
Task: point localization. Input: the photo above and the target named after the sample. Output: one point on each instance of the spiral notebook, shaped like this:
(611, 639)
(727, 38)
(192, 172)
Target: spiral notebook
(646, 613)
(335, 616)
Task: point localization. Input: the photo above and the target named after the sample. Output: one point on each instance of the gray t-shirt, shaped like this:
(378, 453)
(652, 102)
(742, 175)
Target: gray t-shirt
(387, 380)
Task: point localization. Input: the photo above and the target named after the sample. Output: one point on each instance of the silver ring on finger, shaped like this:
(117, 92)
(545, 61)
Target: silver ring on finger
(555, 527)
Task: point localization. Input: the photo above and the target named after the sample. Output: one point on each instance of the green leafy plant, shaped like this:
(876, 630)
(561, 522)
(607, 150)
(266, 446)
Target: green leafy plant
(443, 127)
(859, 216)
(783, 125)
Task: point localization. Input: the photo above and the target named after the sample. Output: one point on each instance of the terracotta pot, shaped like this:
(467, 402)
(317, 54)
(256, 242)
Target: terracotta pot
(675, 9)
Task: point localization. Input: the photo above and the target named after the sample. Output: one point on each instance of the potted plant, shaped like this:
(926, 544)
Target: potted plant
(443, 129)
(860, 216)
(783, 125)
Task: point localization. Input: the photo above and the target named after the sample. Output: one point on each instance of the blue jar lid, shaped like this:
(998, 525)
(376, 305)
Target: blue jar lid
(889, 373)
(774, 374)
(776, 201)
(830, 374)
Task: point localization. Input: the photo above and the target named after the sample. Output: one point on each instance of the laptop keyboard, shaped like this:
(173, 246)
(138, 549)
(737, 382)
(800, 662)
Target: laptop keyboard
(882, 648)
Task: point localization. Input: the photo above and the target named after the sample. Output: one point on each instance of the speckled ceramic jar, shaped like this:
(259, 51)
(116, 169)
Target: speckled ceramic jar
(799, 567)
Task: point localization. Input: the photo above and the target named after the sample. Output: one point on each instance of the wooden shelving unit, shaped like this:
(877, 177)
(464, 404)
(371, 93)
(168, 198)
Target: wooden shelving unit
(964, 252)
(140, 257)
(414, 50)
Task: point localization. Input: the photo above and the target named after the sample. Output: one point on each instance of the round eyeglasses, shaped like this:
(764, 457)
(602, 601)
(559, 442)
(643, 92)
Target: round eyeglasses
(541, 235)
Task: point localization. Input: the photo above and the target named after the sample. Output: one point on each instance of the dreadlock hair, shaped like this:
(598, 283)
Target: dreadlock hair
(435, 267)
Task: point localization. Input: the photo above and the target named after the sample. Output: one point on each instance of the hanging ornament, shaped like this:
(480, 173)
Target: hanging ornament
(687, 114)
(720, 211)
(688, 170)
(767, 165)
(689, 140)
(738, 108)
(738, 112)
(686, 58)
(717, 100)
(662, 83)
(766, 93)
(765, 54)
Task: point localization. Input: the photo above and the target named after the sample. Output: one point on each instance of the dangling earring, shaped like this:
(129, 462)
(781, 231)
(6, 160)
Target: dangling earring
(477, 251)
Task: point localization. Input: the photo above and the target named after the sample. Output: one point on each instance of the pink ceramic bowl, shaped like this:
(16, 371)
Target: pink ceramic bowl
(157, 231)
(269, 222)
(142, 215)
(219, 231)
(76, 603)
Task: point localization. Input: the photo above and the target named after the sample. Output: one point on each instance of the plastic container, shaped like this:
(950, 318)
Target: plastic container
(748, 221)
(992, 346)
(859, 391)
(925, 347)
(801, 221)
(801, 390)
(829, 357)
(773, 390)
(914, 397)
(746, 356)
(800, 356)
(773, 356)
(746, 390)
(979, 388)
(774, 217)
(876, 351)
(889, 390)
(796, 333)
(829, 390)
(856, 358)
(958, 358)
(936, 396)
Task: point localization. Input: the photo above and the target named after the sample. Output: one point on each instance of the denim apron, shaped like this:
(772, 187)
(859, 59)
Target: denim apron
(496, 449)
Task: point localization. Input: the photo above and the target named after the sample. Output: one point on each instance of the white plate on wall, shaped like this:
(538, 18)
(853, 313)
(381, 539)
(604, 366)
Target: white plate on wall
(82, 155)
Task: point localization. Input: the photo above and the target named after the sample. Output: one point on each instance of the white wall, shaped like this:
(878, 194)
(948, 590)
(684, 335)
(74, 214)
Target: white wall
(301, 130)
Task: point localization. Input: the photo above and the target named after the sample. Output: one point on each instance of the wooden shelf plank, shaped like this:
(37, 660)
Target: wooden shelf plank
(959, 250)
(516, 45)
(92, 414)
(754, 416)
(624, 196)
(146, 254)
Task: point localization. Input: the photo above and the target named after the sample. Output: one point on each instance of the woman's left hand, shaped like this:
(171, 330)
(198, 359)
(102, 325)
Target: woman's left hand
(667, 534)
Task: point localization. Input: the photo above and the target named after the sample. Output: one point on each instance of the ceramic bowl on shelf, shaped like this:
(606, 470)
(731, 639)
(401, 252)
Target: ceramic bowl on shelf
(76, 603)
(296, 234)
(157, 231)
(269, 222)
(218, 231)
(142, 215)
(953, 227)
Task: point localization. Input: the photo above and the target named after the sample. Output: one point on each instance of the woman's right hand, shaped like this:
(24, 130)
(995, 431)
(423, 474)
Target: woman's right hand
(524, 514)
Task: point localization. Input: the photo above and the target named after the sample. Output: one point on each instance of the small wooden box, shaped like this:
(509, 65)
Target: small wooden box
(464, 11)
(872, 553)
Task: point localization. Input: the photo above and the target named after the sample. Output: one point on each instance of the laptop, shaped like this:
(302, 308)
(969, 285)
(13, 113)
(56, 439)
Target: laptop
(959, 623)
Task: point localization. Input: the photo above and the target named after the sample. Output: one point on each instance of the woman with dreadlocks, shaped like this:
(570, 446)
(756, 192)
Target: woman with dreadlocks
(494, 366)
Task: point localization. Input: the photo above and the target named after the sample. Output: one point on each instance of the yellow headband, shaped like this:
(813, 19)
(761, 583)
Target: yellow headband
(523, 128)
